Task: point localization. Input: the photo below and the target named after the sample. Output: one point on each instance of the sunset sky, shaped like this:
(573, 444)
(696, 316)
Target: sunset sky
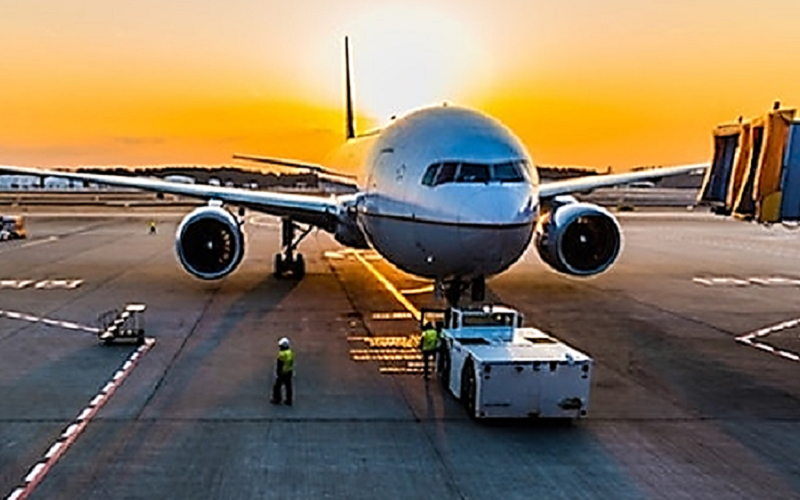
(582, 82)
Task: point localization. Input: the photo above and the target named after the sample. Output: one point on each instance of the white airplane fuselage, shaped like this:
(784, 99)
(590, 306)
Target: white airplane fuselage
(468, 227)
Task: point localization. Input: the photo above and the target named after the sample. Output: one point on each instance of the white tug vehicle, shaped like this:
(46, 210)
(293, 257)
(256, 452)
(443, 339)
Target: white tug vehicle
(499, 369)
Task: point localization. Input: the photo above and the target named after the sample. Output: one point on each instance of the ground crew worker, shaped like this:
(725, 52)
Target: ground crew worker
(284, 370)
(429, 344)
(152, 226)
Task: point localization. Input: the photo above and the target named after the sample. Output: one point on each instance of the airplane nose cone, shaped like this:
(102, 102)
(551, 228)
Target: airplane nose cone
(495, 228)
(497, 205)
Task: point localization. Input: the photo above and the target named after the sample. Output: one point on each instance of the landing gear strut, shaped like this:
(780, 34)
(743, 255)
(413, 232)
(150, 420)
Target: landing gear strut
(478, 289)
(288, 262)
(454, 288)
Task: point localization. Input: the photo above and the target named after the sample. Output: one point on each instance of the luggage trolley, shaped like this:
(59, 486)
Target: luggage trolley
(127, 324)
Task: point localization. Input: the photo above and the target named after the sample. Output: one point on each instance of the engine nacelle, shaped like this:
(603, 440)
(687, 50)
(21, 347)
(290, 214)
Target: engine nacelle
(209, 243)
(579, 239)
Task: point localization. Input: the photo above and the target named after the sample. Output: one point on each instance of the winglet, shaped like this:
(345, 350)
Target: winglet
(351, 127)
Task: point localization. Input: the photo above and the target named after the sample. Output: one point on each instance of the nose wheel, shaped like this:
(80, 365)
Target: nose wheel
(453, 290)
(289, 263)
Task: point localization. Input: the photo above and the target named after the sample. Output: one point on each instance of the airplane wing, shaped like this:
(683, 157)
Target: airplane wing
(312, 167)
(316, 210)
(589, 182)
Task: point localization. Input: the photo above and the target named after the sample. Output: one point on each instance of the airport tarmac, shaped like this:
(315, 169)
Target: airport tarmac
(695, 392)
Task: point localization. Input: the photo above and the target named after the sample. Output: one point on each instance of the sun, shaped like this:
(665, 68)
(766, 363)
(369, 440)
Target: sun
(409, 55)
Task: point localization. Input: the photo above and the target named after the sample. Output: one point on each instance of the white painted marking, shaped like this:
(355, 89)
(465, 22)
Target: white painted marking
(54, 449)
(756, 280)
(47, 321)
(763, 332)
(119, 374)
(15, 284)
(16, 495)
(107, 387)
(34, 472)
(31, 244)
(387, 316)
(334, 255)
(71, 434)
(127, 365)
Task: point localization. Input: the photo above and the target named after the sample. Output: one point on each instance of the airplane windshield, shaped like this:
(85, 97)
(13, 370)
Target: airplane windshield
(507, 172)
(447, 172)
(473, 172)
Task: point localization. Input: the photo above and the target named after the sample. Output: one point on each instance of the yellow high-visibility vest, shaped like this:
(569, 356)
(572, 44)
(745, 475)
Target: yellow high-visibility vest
(286, 356)
(430, 340)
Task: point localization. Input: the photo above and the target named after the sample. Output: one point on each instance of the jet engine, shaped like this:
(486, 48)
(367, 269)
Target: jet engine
(209, 242)
(579, 239)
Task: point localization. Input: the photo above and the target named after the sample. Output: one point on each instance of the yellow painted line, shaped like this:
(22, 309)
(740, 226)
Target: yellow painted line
(416, 291)
(390, 287)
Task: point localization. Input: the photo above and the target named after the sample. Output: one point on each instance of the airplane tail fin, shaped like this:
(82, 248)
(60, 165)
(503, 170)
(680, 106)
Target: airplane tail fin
(351, 126)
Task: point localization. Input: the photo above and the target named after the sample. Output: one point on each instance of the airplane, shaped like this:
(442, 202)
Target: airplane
(445, 193)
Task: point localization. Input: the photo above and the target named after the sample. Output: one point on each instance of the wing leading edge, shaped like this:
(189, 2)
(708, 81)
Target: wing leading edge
(320, 211)
(589, 182)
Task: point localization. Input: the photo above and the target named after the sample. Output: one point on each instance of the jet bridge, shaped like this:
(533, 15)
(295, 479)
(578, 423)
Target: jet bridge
(755, 172)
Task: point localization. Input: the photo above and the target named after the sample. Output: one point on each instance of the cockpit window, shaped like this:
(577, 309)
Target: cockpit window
(447, 173)
(430, 175)
(507, 172)
(473, 172)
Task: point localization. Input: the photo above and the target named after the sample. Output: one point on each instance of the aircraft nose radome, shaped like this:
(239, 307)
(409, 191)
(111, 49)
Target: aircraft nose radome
(497, 206)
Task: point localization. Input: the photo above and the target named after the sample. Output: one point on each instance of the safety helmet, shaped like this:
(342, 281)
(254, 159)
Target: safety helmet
(283, 343)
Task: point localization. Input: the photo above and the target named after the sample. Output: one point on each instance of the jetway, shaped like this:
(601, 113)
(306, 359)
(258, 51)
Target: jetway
(755, 172)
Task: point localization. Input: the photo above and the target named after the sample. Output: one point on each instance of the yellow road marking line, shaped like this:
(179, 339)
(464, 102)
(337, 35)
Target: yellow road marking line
(389, 286)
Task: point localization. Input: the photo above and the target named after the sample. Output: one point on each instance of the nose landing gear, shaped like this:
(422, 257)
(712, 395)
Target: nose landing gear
(288, 262)
(453, 289)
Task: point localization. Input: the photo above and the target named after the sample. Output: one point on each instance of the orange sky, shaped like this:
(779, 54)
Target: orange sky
(593, 83)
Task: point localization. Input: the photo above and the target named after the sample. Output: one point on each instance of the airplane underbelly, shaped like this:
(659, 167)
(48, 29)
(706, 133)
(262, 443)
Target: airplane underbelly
(443, 250)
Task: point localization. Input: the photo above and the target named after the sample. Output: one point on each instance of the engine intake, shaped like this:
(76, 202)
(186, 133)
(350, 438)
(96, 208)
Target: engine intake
(579, 239)
(209, 243)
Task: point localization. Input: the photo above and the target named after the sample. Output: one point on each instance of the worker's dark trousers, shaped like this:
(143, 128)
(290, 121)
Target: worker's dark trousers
(282, 380)
(427, 357)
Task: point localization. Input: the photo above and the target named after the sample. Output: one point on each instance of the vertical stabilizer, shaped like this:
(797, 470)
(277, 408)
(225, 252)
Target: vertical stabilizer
(351, 126)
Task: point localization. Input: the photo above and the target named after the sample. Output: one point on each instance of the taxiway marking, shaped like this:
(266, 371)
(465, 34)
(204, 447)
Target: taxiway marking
(77, 426)
(69, 325)
(734, 281)
(752, 339)
(389, 286)
(389, 316)
(32, 244)
(418, 291)
(58, 284)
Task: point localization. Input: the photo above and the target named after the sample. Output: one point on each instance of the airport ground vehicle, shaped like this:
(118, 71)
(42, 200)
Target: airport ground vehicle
(500, 369)
(12, 227)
